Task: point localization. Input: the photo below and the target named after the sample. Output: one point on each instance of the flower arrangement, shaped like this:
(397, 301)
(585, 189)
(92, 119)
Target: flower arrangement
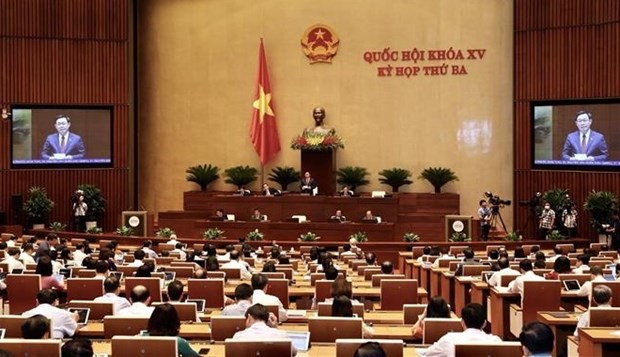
(124, 231)
(308, 237)
(459, 237)
(411, 237)
(94, 230)
(513, 237)
(164, 232)
(58, 227)
(316, 141)
(555, 235)
(212, 233)
(255, 235)
(359, 237)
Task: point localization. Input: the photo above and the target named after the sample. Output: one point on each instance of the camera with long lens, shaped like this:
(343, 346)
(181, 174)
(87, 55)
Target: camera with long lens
(495, 200)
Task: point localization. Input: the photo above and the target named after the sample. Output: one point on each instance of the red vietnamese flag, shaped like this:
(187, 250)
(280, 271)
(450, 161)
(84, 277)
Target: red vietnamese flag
(263, 130)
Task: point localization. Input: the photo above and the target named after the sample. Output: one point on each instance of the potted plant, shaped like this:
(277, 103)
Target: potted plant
(58, 227)
(95, 202)
(555, 235)
(255, 235)
(202, 175)
(38, 207)
(513, 237)
(459, 237)
(438, 177)
(284, 176)
(352, 176)
(94, 230)
(308, 237)
(601, 206)
(164, 232)
(558, 199)
(359, 237)
(411, 237)
(395, 178)
(241, 175)
(124, 231)
(212, 233)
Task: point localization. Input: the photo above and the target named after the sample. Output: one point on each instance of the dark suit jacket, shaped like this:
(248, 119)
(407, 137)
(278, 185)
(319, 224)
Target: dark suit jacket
(74, 147)
(272, 191)
(459, 269)
(597, 146)
(310, 182)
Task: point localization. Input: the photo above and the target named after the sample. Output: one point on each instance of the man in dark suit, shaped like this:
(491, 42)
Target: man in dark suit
(270, 191)
(585, 144)
(307, 184)
(338, 215)
(63, 144)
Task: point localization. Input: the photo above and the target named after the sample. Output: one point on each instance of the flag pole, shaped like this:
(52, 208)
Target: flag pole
(262, 175)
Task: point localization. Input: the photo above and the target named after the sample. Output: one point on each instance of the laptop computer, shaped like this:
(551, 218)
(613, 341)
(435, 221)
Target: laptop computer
(65, 272)
(609, 277)
(301, 339)
(83, 312)
(117, 274)
(486, 275)
(571, 285)
(200, 304)
(17, 271)
(169, 275)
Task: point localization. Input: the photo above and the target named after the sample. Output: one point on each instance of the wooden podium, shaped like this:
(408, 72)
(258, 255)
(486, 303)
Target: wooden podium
(322, 167)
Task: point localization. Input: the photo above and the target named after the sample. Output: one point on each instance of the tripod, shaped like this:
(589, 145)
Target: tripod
(495, 216)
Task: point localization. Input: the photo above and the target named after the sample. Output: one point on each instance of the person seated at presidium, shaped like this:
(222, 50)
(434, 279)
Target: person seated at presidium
(368, 216)
(270, 191)
(338, 216)
(219, 215)
(257, 215)
(584, 144)
(63, 145)
(346, 192)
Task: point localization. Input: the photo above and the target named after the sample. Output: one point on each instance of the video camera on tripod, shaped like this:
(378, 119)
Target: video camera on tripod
(495, 201)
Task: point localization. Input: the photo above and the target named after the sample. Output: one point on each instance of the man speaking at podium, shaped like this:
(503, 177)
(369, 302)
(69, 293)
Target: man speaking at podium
(584, 144)
(308, 184)
(63, 145)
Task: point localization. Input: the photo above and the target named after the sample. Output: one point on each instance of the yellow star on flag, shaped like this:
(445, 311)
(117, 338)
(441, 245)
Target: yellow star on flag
(262, 103)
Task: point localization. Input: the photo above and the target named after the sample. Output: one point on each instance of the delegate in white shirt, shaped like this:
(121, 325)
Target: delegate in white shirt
(516, 286)
(445, 346)
(63, 324)
(496, 278)
(259, 297)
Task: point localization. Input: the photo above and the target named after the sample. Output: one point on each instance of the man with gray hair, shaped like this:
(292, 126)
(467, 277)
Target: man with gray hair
(601, 295)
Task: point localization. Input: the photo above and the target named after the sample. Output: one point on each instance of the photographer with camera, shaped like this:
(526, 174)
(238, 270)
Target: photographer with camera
(484, 213)
(79, 208)
(546, 220)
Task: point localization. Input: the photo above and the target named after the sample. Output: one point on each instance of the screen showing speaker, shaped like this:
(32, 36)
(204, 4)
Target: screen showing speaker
(576, 135)
(68, 136)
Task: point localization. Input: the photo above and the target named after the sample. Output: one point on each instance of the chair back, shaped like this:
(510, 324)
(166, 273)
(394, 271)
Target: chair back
(152, 284)
(232, 273)
(615, 290)
(127, 270)
(412, 312)
(346, 347)
(183, 264)
(398, 292)
(164, 260)
(86, 273)
(457, 249)
(328, 329)
(506, 279)
(22, 291)
(320, 276)
(322, 289)
(543, 295)
(274, 275)
(474, 270)
(356, 263)
(494, 247)
(144, 346)
(98, 309)
(498, 349)
(216, 275)
(123, 325)
(527, 248)
(604, 317)
(279, 288)
(325, 309)
(84, 288)
(186, 310)
(369, 272)
(223, 327)
(566, 247)
(19, 347)
(445, 263)
(13, 325)
(273, 347)
(181, 271)
(378, 278)
(212, 290)
(435, 328)
(288, 272)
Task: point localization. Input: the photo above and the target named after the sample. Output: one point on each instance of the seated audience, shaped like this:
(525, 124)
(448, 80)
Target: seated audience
(536, 340)
(64, 323)
(112, 289)
(535, 249)
(505, 270)
(27, 255)
(260, 284)
(101, 269)
(143, 271)
(540, 261)
(175, 291)
(48, 281)
(387, 267)
(343, 307)
(36, 327)
(138, 257)
(77, 348)
(473, 320)
(107, 255)
(140, 301)
(147, 246)
(226, 256)
(371, 259)
(243, 300)
(269, 267)
(601, 297)
(525, 267)
(557, 252)
(211, 264)
(164, 321)
(172, 240)
(56, 265)
(11, 241)
(596, 274)
(560, 266)
(582, 264)
(260, 325)
(178, 248)
(444, 256)
(426, 253)
(437, 308)
(519, 253)
(370, 349)
(469, 260)
(236, 263)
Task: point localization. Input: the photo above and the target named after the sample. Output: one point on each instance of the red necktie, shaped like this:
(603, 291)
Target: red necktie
(583, 144)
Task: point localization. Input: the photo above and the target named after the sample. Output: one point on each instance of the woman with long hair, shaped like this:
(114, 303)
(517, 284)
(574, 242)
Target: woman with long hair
(437, 307)
(164, 321)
